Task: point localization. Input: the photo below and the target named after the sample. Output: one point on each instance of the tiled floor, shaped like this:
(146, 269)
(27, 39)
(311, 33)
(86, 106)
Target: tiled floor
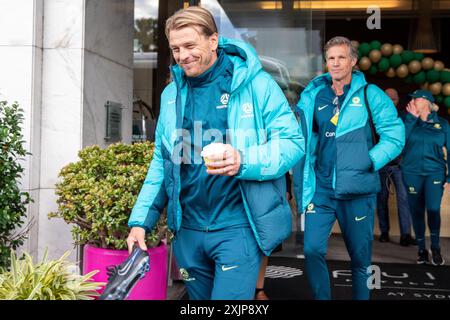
(382, 252)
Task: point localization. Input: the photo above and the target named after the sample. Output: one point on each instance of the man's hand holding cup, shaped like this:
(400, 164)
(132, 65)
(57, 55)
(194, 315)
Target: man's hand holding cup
(221, 159)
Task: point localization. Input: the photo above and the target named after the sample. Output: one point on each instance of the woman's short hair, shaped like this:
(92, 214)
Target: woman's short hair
(192, 16)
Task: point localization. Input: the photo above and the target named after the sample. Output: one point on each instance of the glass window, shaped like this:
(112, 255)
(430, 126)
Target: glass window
(144, 63)
(146, 25)
(288, 43)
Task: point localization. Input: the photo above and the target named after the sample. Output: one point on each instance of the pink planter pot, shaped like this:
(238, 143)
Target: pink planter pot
(152, 287)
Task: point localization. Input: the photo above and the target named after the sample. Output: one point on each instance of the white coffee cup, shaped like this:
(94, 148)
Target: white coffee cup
(215, 148)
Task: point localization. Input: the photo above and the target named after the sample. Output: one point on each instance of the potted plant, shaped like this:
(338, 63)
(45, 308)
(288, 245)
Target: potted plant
(96, 194)
(13, 201)
(46, 280)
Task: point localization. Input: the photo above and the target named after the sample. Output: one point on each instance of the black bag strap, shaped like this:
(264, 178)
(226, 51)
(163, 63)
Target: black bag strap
(375, 137)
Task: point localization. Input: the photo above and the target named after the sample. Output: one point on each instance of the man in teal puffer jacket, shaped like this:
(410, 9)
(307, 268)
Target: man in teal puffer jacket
(224, 217)
(338, 179)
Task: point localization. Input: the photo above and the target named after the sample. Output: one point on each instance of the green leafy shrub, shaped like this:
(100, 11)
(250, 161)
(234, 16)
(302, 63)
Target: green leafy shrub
(97, 194)
(47, 280)
(13, 202)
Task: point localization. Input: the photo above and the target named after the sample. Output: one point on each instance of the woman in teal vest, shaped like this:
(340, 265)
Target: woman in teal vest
(424, 170)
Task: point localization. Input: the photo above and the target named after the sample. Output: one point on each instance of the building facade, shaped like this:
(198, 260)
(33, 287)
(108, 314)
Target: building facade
(62, 60)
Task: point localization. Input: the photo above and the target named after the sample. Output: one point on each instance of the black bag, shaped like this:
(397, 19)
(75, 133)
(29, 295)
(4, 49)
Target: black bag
(375, 135)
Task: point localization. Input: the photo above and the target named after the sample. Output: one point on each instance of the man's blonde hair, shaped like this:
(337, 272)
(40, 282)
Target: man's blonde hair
(192, 16)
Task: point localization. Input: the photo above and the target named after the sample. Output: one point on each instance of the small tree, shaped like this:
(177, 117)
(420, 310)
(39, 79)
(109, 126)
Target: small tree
(97, 193)
(12, 201)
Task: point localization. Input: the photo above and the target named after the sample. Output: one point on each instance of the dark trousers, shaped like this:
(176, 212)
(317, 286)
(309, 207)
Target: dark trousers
(389, 175)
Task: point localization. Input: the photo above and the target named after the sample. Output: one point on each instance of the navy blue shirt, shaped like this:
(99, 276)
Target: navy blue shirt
(326, 114)
(209, 202)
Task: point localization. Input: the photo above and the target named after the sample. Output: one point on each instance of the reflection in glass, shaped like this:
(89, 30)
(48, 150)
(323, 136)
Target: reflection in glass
(144, 64)
(146, 25)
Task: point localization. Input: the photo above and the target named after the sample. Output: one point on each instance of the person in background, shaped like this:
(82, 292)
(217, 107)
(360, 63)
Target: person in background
(391, 174)
(425, 171)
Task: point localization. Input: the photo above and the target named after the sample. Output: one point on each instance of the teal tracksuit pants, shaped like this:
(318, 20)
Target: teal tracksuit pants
(425, 192)
(218, 265)
(356, 220)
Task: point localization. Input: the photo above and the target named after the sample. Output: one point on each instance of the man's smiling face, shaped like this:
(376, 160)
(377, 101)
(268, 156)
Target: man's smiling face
(192, 50)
